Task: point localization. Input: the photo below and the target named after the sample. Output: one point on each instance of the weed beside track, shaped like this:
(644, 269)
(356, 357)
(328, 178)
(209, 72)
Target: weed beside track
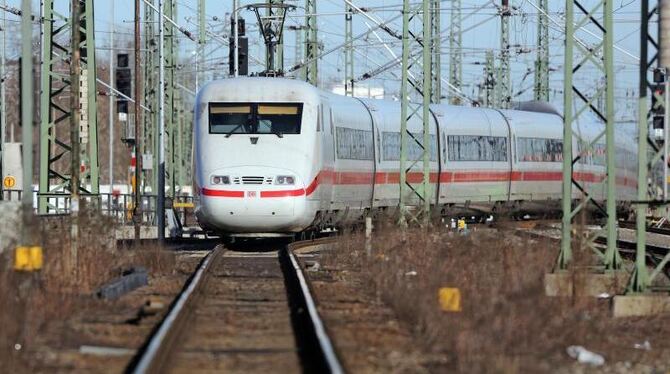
(38, 307)
(506, 323)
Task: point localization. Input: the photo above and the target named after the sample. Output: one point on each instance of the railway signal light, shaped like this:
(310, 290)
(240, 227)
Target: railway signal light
(659, 75)
(243, 48)
(123, 82)
(658, 99)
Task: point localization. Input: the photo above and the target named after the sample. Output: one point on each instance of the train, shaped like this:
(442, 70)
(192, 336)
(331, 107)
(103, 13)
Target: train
(278, 156)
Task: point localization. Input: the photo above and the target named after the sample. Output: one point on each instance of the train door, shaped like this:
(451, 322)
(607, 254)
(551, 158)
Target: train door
(327, 152)
(379, 176)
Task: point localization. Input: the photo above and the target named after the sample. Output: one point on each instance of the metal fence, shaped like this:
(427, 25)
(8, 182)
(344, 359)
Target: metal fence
(119, 206)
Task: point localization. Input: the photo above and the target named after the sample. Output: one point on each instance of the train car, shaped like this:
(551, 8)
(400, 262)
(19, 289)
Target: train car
(277, 156)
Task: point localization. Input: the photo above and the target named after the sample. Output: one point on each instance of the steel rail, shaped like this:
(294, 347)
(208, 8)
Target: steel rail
(625, 246)
(156, 353)
(325, 343)
(650, 229)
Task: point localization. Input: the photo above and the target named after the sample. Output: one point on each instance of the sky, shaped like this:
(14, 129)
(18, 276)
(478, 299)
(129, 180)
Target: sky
(481, 22)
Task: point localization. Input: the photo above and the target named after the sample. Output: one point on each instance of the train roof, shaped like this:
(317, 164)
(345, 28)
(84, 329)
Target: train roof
(253, 89)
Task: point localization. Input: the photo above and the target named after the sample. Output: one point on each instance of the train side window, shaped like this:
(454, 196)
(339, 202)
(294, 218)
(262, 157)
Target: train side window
(477, 148)
(539, 150)
(319, 118)
(391, 147)
(354, 144)
(332, 121)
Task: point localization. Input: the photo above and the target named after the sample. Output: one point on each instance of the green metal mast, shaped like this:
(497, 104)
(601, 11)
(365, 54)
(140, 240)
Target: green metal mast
(455, 51)
(171, 133)
(3, 113)
(151, 81)
(504, 80)
(348, 51)
(436, 24)
(489, 91)
(649, 159)
(202, 41)
(601, 58)
(541, 88)
(279, 49)
(56, 148)
(27, 116)
(299, 48)
(312, 43)
(414, 192)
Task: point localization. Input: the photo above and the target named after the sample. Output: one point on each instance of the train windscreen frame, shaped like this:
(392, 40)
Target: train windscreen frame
(255, 118)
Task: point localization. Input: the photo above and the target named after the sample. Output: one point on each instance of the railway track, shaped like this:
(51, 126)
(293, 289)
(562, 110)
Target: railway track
(627, 247)
(249, 310)
(650, 229)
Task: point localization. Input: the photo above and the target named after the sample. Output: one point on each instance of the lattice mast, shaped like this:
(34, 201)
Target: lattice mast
(58, 152)
(578, 57)
(455, 51)
(311, 43)
(415, 189)
(541, 86)
(504, 79)
(348, 51)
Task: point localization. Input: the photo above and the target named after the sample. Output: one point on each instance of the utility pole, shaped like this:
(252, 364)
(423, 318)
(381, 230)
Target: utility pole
(455, 51)
(436, 41)
(111, 101)
(577, 60)
(348, 50)
(541, 88)
(312, 43)
(504, 81)
(27, 236)
(55, 147)
(137, 206)
(160, 204)
(414, 191)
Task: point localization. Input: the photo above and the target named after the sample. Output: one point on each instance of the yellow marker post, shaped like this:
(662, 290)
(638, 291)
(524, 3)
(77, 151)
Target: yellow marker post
(36, 258)
(22, 259)
(28, 258)
(461, 224)
(450, 299)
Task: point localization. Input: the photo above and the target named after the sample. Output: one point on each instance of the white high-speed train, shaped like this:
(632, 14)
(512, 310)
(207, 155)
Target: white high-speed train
(280, 156)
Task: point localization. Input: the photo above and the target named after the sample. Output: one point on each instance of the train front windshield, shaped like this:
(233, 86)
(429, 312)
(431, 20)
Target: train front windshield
(255, 118)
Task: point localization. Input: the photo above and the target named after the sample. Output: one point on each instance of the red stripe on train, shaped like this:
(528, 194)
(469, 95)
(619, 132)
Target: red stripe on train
(283, 193)
(221, 193)
(365, 178)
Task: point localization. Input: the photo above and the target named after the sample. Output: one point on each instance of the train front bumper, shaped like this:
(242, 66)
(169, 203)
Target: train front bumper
(254, 211)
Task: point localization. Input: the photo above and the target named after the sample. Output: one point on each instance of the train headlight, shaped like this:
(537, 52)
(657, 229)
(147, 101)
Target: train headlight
(285, 180)
(220, 179)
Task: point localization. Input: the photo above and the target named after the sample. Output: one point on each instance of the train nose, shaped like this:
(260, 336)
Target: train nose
(267, 206)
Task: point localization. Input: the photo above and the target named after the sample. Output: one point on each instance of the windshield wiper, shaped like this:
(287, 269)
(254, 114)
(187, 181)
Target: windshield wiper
(232, 131)
(279, 134)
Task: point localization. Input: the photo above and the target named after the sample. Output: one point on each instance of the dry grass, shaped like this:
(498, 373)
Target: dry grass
(33, 303)
(507, 324)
